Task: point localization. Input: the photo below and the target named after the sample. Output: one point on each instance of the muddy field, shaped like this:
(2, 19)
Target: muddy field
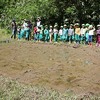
(57, 66)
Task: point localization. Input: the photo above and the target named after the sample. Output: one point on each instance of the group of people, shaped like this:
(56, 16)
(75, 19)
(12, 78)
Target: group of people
(71, 33)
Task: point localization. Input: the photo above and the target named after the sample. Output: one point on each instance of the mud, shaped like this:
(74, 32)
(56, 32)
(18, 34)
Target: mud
(57, 66)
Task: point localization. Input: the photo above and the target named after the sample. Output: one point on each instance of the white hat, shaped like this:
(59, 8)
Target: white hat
(65, 25)
(50, 26)
(98, 25)
(90, 26)
(77, 24)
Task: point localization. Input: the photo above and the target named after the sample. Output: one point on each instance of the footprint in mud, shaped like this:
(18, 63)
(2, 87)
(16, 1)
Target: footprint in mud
(73, 79)
(27, 71)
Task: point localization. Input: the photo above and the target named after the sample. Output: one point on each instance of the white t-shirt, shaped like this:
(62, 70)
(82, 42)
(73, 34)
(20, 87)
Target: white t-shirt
(91, 32)
(83, 31)
(60, 32)
(55, 31)
(38, 23)
(25, 25)
(50, 31)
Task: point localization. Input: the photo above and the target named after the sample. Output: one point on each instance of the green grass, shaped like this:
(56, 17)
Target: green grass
(4, 34)
(13, 90)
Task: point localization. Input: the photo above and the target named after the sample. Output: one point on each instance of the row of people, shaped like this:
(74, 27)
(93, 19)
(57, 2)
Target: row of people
(72, 34)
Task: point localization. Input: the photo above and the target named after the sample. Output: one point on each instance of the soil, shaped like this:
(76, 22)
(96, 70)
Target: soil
(58, 66)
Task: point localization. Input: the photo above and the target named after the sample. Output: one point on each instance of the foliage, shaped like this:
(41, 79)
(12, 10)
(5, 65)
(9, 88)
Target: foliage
(51, 11)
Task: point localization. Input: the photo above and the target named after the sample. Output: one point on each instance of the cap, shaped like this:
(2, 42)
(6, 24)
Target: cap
(83, 24)
(61, 26)
(65, 25)
(50, 26)
(98, 25)
(90, 26)
(76, 24)
(87, 24)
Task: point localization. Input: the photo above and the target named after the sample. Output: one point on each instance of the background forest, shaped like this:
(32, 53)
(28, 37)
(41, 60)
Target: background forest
(50, 11)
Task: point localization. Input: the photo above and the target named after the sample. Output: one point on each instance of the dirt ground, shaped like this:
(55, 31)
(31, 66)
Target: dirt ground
(57, 66)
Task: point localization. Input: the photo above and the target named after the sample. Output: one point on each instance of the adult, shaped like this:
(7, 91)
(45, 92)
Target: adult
(14, 29)
(38, 23)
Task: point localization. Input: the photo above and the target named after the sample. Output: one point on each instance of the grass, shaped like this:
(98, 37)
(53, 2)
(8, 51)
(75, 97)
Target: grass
(4, 34)
(13, 90)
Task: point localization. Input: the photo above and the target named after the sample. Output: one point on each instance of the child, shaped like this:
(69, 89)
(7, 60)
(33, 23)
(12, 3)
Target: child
(65, 33)
(87, 33)
(50, 33)
(41, 33)
(46, 33)
(91, 33)
(55, 31)
(22, 32)
(98, 36)
(83, 31)
(61, 32)
(38, 33)
(35, 33)
(19, 33)
(77, 33)
(71, 33)
(26, 30)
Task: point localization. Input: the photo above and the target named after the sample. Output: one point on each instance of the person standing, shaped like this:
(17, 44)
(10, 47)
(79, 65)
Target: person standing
(71, 34)
(27, 30)
(35, 32)
(14, 29)
(38, 33)
(77, 33)
(87, 33)
(38, 23)
(55, 31)
(65, 33)
(98, 36)
(83, 31)
(91, 33)
(41, 33)
(61, 32)
(46, 33)
(50, 33)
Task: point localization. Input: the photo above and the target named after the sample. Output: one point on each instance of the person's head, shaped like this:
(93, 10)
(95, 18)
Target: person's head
(76, 25)
(83, 25)
(87, 25)
(61, 27)
(38, 18)
(90, 27)
(50, 27)
(13, 20)
(98, 26)
(71, 26)
(65, 26)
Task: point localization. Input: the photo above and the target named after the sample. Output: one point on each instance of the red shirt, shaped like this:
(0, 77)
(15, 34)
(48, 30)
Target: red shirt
(35, 30)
